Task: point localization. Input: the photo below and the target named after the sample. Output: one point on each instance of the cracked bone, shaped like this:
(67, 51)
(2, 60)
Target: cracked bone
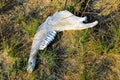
(60, 21)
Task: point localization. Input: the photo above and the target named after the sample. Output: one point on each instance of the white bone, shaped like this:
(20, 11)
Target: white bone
(60, 21)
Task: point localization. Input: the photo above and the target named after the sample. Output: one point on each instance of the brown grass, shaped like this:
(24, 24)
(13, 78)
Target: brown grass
(106, 7)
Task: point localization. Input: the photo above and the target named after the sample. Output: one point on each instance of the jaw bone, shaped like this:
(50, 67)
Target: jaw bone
(60, 21)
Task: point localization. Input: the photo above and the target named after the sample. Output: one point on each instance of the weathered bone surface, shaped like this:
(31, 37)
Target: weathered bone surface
(60, 21)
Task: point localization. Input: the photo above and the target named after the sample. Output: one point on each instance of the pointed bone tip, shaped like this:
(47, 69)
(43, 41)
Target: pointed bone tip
(30, 69)
(96, 22)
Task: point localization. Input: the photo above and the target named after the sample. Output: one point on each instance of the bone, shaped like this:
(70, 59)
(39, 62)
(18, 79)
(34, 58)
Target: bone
(60, 21)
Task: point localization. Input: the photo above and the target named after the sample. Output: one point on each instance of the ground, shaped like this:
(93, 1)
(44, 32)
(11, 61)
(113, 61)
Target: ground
(91, 54)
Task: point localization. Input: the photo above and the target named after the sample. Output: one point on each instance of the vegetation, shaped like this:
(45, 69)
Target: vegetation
(91, 54)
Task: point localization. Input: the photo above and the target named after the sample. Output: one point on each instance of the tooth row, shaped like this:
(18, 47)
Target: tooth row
(50, 37)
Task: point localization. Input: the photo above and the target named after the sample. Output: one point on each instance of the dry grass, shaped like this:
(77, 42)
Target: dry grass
(91, 54)
(106, 7)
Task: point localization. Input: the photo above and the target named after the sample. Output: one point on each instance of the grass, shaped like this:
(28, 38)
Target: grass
(1, 5)
(116, 39)
(83, 55)
(47, 58)
(30, 27)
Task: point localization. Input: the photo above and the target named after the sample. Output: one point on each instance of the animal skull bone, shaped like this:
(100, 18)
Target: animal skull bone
(60, 21)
